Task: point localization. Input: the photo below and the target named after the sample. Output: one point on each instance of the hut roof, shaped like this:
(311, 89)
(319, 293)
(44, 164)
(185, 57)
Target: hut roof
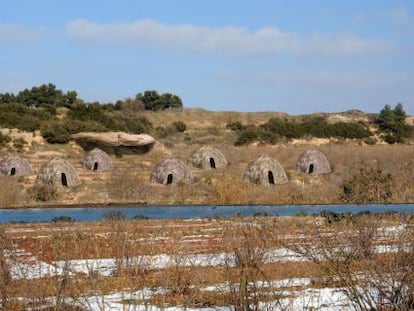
(58, 172)
(98, 160)
(171, 171)
(313, 162)
(15, 165)
(265, 171)
(208, 157)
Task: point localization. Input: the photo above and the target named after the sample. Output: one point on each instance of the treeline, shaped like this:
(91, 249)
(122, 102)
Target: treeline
(37, 108)
(391, 126)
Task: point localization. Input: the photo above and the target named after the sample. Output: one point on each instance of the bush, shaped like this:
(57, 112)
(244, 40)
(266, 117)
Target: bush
(235, 126)
(114, 215)
(247, 136)
(4, 139)
(15, 115)
(179, 126)
(55, 133)
(62, 219)
(44, 192)
(368, 186)
(277, 130)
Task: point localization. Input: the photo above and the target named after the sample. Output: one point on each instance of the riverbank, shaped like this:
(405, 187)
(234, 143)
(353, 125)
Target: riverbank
(89, 213)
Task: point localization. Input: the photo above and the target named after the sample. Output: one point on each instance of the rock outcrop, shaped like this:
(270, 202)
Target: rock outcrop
(115, 142)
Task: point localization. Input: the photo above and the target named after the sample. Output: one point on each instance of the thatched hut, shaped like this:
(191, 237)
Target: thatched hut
(59, 173)
(208, 157)
(265, 171)
(171, 171)
(15, 165)
(98, 160)
(313, 162)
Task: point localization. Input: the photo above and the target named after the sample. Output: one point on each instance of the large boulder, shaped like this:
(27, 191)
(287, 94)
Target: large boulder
(115, 142)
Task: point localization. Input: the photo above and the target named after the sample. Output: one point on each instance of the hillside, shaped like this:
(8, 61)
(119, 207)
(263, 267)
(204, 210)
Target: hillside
(129, 182)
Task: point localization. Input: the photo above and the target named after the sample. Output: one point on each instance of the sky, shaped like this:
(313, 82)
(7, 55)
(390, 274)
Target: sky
(292, 56)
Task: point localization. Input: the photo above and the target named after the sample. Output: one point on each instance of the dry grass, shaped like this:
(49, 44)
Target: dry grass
(130, 180)
(245, 239)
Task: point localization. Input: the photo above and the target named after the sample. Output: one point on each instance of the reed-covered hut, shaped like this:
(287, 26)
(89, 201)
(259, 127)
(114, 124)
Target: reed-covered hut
(58, 173)
(98, 160)
(171, 171)
(313, 162)
(208, 157)
(265, 171)
(15, 165)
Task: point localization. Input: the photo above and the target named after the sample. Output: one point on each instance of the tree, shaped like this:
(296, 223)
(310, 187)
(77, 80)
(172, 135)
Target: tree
(171, 101)
(148, 98)
(154, 101)
(6, 98)
(392, 123)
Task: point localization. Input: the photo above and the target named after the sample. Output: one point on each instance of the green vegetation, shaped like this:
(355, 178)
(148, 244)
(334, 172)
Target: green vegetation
(391, 123)
(154, 101)
(60, 114)
(279, 130)
(45, 95)
(41, 108)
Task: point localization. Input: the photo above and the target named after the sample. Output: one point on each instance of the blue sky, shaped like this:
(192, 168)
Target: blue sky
(263, 55)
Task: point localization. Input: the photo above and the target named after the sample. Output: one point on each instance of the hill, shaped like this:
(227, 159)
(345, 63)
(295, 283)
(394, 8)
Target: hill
(351, 161)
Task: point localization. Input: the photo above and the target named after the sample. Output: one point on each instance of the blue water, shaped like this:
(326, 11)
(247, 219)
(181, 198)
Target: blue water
(188, 212)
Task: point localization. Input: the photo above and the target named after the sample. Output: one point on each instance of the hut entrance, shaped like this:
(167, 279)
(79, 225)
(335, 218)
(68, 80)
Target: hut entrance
(270, 177)
(64, 180)
(310, 169)
(212, 163)
(95, 166)
(13, 171)
(169, 179)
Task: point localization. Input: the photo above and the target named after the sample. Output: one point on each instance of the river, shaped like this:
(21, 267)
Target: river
(84, 213)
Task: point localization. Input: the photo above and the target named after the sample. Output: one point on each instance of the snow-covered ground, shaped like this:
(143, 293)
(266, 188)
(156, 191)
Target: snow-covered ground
(298, 293)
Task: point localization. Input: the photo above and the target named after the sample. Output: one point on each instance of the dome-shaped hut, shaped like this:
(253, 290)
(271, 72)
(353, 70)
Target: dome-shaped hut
(15, 165)
(171, 171)
(59, 173)
(265, 171)
(208, 157)
(98, 160)
(313, 162)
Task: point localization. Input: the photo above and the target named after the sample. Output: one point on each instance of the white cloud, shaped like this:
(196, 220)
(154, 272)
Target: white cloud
(20, 33)
(229, 41)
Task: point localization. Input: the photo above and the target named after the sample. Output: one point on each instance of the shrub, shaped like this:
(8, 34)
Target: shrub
(247, 136)
(235, 126)
(277, 130)
(44, 192)
(55, 133)
(4, 139)
(368, 186)
(114, 215)
(179, 126)
(62, 219)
